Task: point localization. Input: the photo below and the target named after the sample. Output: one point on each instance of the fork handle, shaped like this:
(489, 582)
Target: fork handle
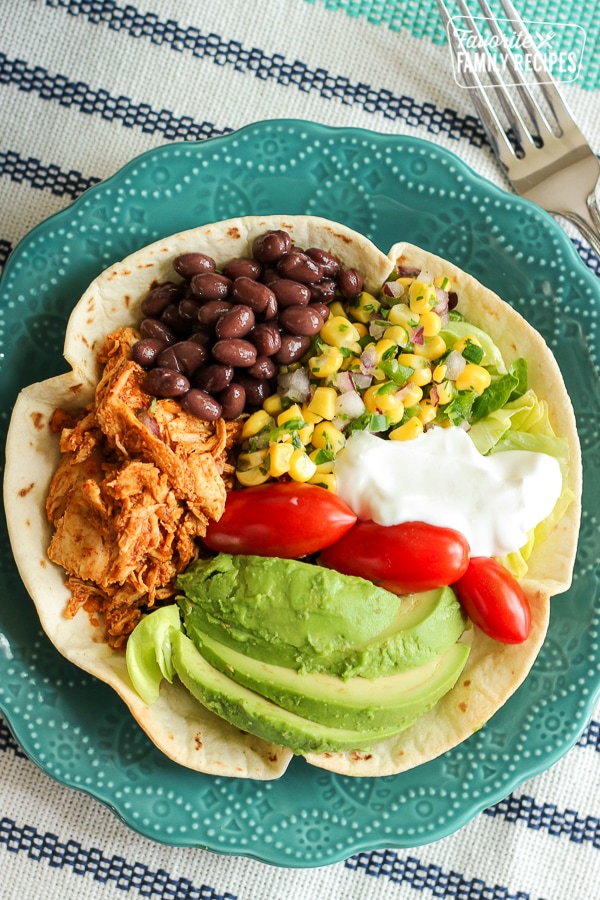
(587, 220)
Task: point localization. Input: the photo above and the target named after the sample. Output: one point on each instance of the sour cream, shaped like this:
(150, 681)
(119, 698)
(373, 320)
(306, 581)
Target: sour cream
(442, 479)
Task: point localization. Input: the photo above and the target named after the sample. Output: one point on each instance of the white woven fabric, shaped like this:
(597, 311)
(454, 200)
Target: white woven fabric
(552, 851)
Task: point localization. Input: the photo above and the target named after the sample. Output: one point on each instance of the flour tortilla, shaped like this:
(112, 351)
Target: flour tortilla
(177, 724)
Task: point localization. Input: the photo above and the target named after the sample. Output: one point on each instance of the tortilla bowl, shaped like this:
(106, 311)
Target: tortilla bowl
(178, 725)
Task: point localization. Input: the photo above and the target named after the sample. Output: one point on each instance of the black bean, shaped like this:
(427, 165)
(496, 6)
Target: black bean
(251, 293)
(146, 352)
(323, 291)
(321, 309)
(293, 347)
(330, 266)
(236, 323)
(291, 293)
(300, 267)
(173, 320)
(264, 367)
(271, 309)
(201, 337)
(271, 246)
(209, 313)
(189, 264)
(200, 404)
(350, 283)
(210, 286)
(188, 310)
(157, 299)
(266, 338)
(269, 275)
(235, 352)
(213, 378)
(242, 267)
(165, 383)
(233, 400)
(154, 328)
(184, 356)
(257, 389)
(301, 320)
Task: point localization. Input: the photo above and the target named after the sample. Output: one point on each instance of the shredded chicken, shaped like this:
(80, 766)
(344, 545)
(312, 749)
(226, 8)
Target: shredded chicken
(137, 484)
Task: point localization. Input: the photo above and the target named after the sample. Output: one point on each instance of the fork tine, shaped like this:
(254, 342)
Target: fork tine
(520, 130)
(557, 105)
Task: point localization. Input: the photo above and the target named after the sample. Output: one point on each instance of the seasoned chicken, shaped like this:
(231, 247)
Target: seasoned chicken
(137, 484)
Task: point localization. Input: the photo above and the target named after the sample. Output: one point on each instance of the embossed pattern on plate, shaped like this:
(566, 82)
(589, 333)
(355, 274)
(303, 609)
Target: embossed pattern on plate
(390, 188)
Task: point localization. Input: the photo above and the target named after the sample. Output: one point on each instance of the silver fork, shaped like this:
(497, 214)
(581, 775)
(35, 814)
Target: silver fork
(546, 157)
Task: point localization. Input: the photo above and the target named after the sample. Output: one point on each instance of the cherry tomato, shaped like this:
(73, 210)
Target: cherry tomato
(284, 518)
(494, 601)
(405, 558)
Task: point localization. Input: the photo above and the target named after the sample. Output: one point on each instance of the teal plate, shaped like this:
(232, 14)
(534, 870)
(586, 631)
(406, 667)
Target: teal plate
(390, 188)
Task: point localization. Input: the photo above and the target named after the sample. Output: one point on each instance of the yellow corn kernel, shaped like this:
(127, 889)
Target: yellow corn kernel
(324, 468)
(445, 393)
(400, 314)
(327, 437)
(310, 416)
(289, 414)
(384, 401)
(428, 412)
(439, 373)
(443, 282)
(251, 459)
(413, 361)
(327, 481)
(364, 306)
(327, 363)
(411, 429)
(339, 332)
(256, 422)
(273, 405)
(431, 323)
(431, 348)
(383, 347)
(473, 378)
(398, 334)
(305, 433)
(279, 459)
(421, 376)
(302, 468)
(323, 402)
(252, 477)
(336, 309)
(462, 342)
(361, 329)
(411, 394)
(421, 296)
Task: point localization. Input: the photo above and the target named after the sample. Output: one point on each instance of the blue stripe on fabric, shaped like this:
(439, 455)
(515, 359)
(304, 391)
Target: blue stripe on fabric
(5, 249)
(591, 735)
(37, 80)
(547, 817)
(7, 741)
(33, 172)
(124, 875)
(409, 870)
(256, 62)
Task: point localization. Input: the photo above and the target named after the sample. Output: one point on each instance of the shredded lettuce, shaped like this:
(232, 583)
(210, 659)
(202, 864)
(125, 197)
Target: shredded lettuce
(148, 654)
(491, 359)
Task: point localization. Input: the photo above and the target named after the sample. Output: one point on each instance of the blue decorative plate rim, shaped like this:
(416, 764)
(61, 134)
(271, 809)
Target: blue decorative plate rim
(419, 789)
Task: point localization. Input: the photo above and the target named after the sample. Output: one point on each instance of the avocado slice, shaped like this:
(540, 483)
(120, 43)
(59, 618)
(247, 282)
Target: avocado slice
(359, 704)
(313, 619)
(251, 712)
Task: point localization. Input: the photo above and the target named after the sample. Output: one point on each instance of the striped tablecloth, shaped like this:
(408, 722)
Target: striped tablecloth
(85, 86)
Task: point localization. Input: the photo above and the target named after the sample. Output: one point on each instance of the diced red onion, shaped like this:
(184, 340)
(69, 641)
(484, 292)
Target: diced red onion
(408, 272)
(294, 385)
(361, 380)
(393, 289)
(349, 406)
(417, 336)
(434, 395)
(144, 417)
(376, 329)
(343, 382)
(424, 276)
(455, 364)
(368, 360)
